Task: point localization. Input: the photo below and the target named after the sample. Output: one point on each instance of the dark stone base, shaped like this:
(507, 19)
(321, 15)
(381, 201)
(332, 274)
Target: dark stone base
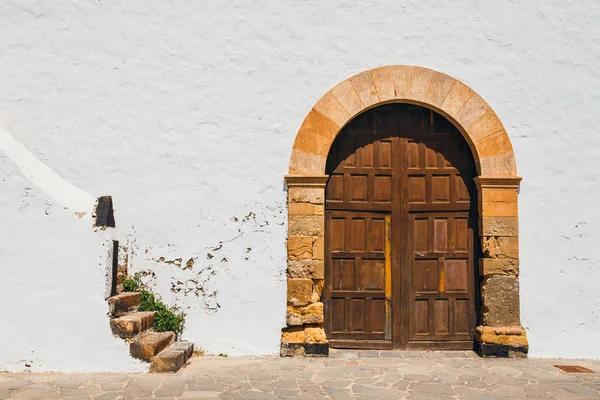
(501, 350)
(316, 349)
(304, 349)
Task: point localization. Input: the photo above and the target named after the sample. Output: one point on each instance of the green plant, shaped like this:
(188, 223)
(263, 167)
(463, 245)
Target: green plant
(165, 318)
(130, 285)
(168, 320)
(148, 302)
(222, 354)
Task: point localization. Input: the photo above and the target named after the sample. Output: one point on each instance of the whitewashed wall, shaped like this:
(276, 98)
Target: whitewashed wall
(185, 112)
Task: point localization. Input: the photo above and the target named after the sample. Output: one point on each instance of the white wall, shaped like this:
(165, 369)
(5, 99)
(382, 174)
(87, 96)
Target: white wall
(52, 309)
(186, 114)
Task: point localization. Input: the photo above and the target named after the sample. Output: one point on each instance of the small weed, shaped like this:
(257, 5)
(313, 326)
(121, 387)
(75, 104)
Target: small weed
(222, 354)
(165, 319)
(148, 302)
(130, 285)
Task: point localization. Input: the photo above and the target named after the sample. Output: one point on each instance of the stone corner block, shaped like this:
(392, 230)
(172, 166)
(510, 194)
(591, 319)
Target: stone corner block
(305, 209)
(311, 314)
(498, 266)
(316, 349)
(299, 291)
(306, 225)
(318, 285)
(499, 226)
(500, 246)
(502, 341)
(305, 268)
(500, 296)
(312, 195)
(315, 334)
(293, 334)
(291, 350)
(487, 350)
(300, 247)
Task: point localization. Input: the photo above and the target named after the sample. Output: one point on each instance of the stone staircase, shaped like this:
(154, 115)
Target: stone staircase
(161, 349)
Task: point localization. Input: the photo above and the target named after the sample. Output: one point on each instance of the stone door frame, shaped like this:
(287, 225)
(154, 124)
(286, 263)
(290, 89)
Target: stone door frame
(500, 333)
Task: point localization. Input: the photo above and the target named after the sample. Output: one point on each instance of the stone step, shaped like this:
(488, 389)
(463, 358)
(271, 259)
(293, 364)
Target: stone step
(123, 303)
(172, 358)
(132, 324)
(149, 344)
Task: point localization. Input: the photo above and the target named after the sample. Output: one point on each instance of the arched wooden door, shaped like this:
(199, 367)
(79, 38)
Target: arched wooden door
(400, 229)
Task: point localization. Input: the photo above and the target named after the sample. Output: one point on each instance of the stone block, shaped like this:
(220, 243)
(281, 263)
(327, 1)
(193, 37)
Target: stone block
(365, 88)
(499, 226)
(457, 97)
(173, 357)
(499, 195)
(320, 270)
(501, 350)
(311, 314)
(501, 165)
(316, 349)
(331, 108)
(383, 79)
(507, 335)
(420, 79)
(471, 111)
(439, 88)
(500, 246)
(316, 134)
(300, 247)
(500, 296)
(498, 266)
(304, 163)
(148, 345)
(313, 195)
(348, 98)
(306, 225)
(319, 248)
(496, 143)
(305, 209)
(485, 125)
(123, 303)
(305, 269)
(299, 291)
(314, 334)
(130, 325)
(291, 350)
(317, 290)
(499, 209)
(292, 335)
(401, 75)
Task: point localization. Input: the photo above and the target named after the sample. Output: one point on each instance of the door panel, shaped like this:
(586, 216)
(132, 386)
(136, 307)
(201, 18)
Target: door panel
(400, 213)
(441, 277)
(358, 294)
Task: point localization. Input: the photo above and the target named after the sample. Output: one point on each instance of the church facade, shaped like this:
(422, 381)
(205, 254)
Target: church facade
(296, 178)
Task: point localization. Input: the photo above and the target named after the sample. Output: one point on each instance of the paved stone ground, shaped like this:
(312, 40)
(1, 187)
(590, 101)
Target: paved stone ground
(345, 375)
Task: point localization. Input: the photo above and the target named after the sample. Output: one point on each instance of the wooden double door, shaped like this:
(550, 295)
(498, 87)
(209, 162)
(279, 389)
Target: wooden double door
(400, 229)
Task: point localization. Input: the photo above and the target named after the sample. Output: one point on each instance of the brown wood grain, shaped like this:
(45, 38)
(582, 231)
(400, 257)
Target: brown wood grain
(402, 174)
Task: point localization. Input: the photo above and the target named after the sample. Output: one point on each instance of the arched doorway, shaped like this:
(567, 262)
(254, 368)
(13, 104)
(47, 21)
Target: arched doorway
(400, 223)
(499, 331)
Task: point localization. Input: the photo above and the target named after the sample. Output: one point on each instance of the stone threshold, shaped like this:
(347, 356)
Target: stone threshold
(403, 354)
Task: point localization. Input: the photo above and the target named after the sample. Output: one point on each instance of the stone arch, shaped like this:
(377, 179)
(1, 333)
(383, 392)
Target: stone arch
(450, 97)
(500, 332)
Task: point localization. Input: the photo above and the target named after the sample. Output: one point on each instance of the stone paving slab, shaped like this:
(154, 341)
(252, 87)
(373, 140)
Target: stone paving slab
(344, 376)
